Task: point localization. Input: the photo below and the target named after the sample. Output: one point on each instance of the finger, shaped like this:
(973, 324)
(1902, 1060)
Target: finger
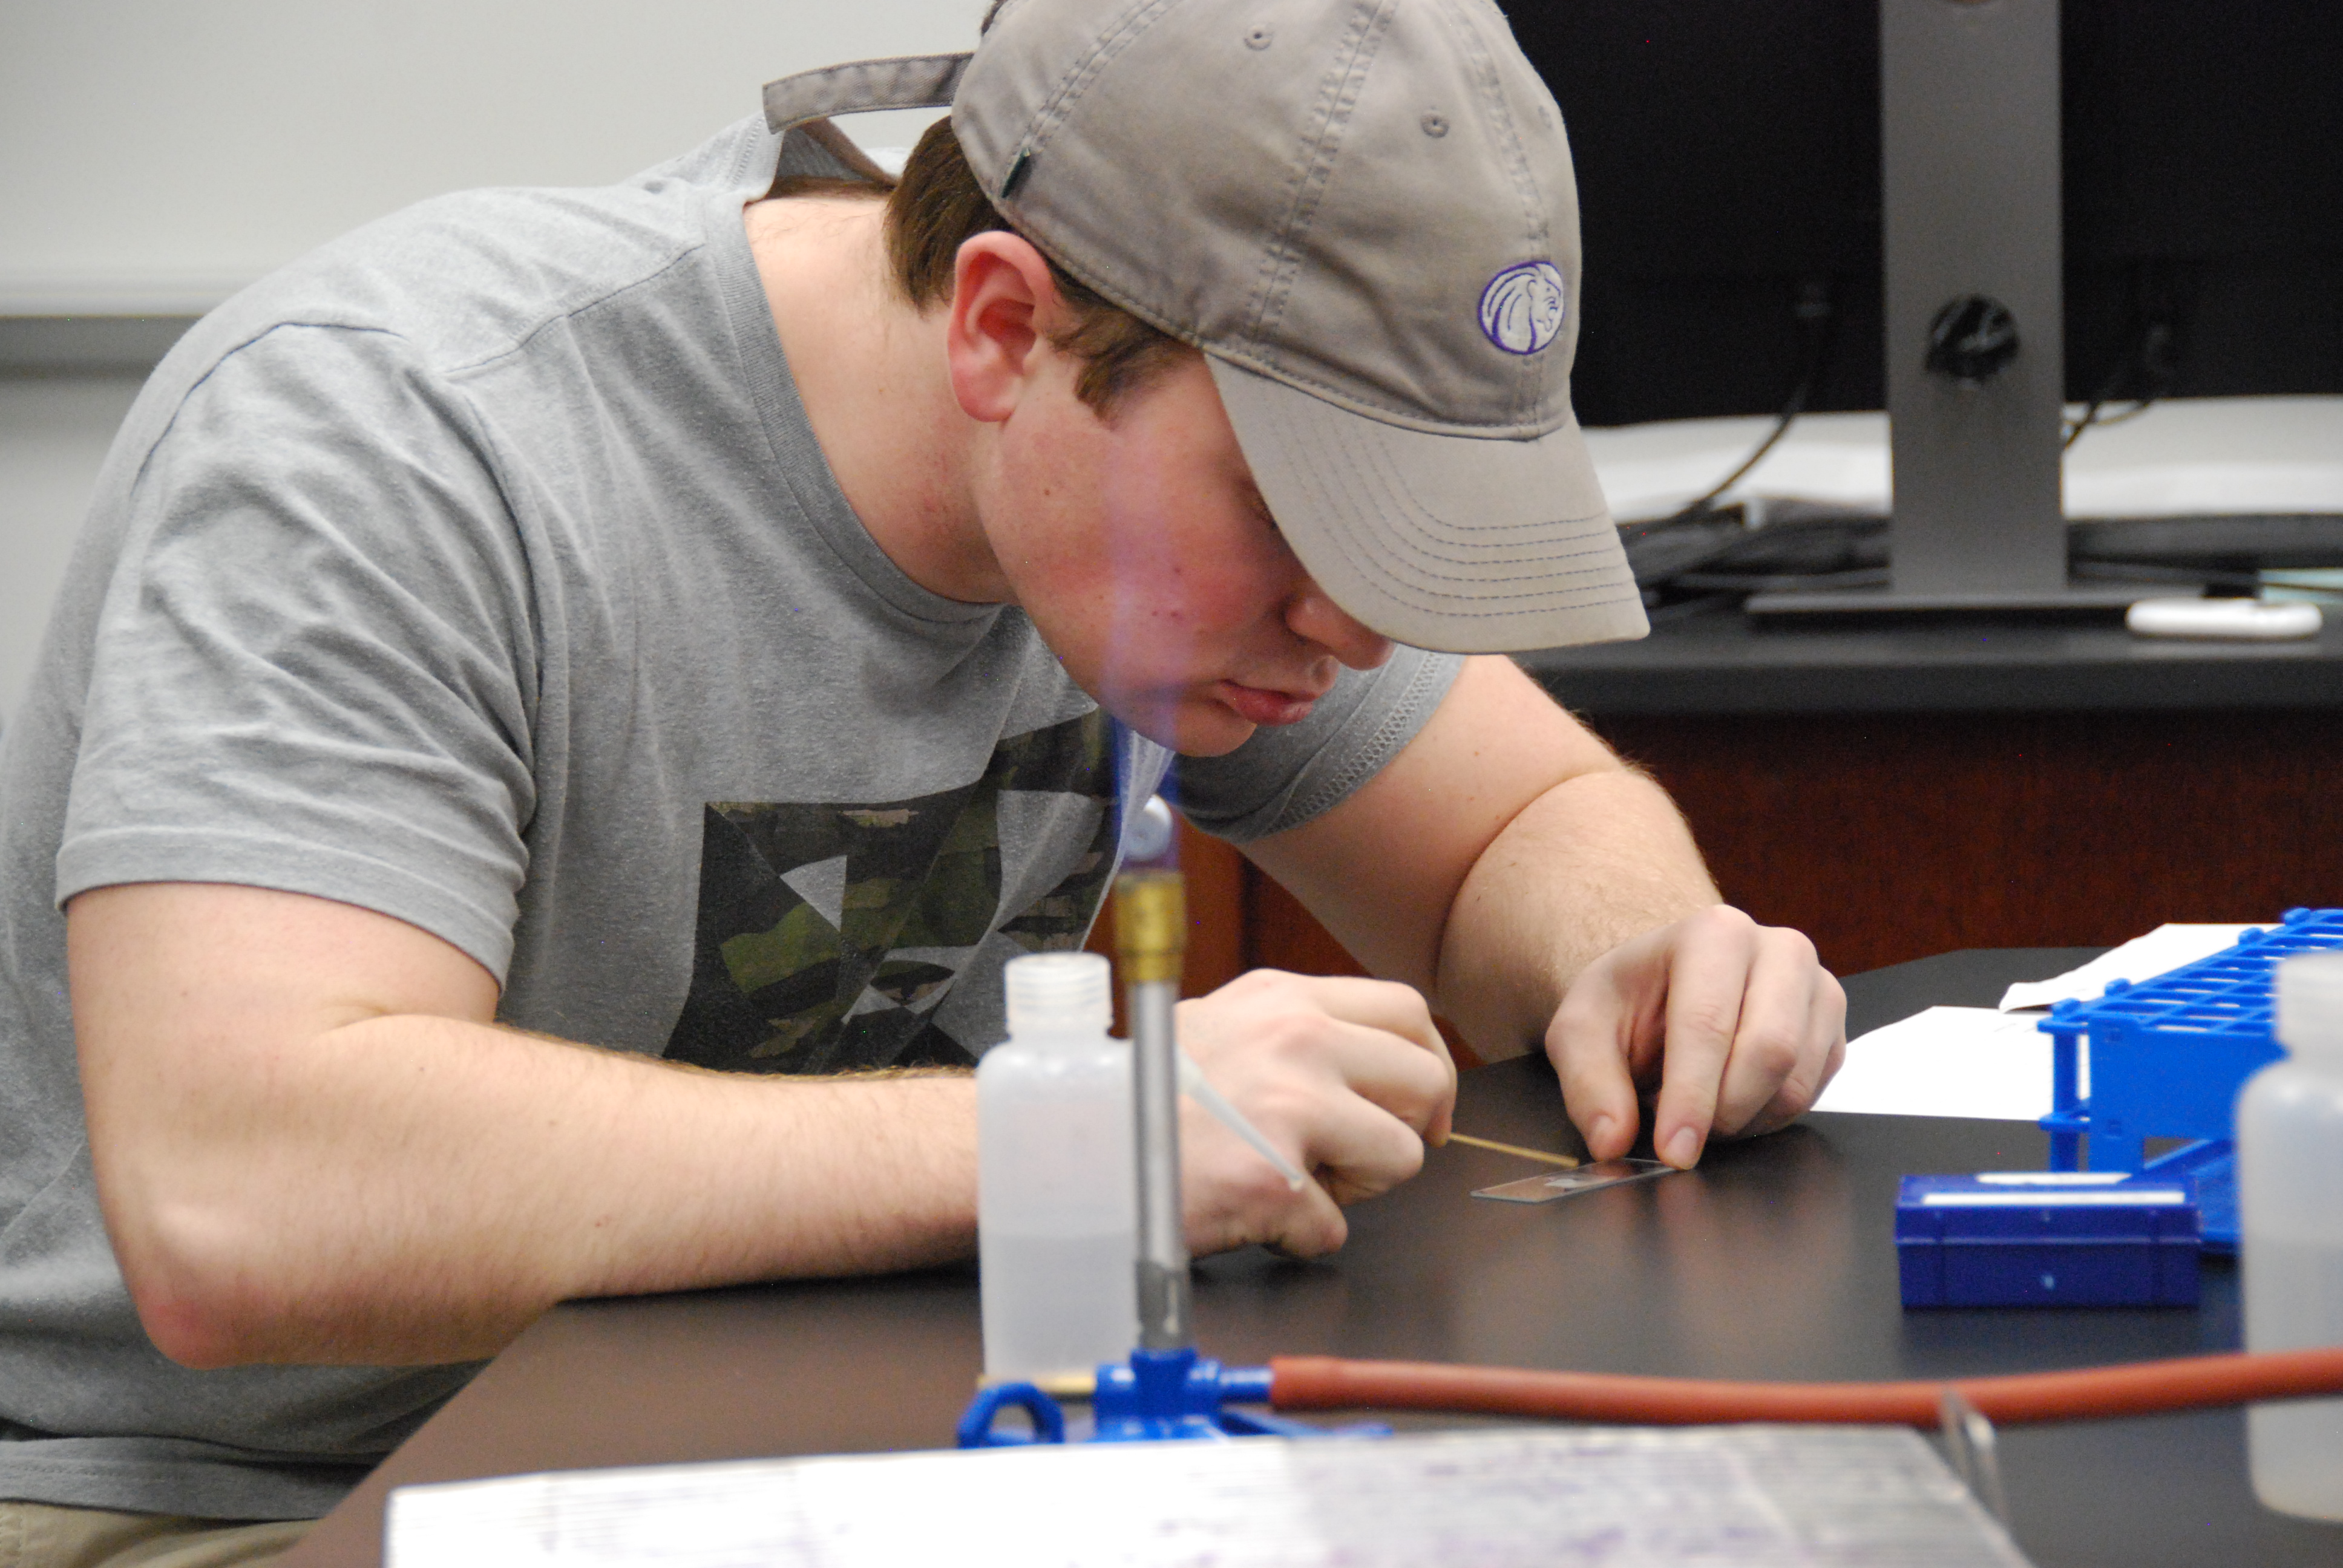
(1827, 1023)
(1775, 1051)
(1830, 1007)
(1357, 1151)
(1386, 1005)
(1394, 1075)
(1352, 1150)
(1311, 1230)
(1593, 1042)
(1304, 1063)
(1442, 1120)
(1707, 976)
(1303, 1044)
(1233, 1199)
(1352, 1146)
(1392, 1009)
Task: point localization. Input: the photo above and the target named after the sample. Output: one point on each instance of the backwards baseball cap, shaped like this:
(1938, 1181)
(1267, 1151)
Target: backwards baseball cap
(1362, 212)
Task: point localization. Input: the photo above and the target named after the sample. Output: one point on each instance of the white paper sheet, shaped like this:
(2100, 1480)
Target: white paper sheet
(1725, 1497)
(2162, 951)
(1994, 1063)
(1974, 1062)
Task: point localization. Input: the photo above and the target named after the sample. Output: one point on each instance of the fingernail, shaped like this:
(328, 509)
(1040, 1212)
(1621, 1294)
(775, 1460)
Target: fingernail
(1599, 1134)
(1683, 1148)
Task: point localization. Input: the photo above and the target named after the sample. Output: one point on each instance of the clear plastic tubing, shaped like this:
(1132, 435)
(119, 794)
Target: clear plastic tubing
(1057, 1215)
(2290, 1210)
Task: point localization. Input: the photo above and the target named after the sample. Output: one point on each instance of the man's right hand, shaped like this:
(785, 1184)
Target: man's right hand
(1347, 1077)
(312, 1144)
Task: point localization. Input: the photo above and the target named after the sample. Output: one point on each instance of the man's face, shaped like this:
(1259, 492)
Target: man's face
(1141, 551)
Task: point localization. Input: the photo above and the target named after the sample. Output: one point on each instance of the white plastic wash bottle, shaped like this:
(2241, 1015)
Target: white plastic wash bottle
(2290, 1210)
(1056, 1204)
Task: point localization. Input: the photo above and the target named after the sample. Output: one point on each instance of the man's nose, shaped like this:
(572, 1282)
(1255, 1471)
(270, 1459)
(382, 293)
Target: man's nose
(1314, 617)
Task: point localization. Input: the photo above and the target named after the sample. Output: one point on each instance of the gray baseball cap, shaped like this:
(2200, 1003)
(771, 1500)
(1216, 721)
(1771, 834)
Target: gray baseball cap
(1362, 212)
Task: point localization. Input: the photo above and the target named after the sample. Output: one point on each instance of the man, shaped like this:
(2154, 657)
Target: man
(687, 625)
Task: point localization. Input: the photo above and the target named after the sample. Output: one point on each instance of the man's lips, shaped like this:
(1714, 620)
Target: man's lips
(1259, 705)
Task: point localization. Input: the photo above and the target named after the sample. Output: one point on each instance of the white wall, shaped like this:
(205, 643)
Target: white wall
(158, 155)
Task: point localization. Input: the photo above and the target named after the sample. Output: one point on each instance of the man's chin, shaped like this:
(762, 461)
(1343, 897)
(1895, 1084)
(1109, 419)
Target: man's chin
(1207, 723)
(1218, 744)
(1194, 729)
(1207, 730)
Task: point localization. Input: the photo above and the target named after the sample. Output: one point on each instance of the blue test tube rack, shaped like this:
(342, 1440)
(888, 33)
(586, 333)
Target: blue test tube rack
(2167, 1059)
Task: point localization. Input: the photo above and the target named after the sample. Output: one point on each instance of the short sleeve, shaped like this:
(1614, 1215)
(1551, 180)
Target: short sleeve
(1284, 775)
(314, 669)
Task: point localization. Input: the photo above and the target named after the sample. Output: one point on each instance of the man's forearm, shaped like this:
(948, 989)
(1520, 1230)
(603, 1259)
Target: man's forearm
(415, 1189)
(1595, 859)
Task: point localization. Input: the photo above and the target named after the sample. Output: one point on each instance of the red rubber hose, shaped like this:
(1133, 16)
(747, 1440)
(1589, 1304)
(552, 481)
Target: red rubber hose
(2139, 1388)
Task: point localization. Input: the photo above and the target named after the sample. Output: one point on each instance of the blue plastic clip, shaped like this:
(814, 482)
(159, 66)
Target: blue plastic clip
(1154, 1397)
(976, 1428)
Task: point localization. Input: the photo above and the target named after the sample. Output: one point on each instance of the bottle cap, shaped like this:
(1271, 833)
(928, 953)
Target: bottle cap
(1059, 993)
(2310, 1002)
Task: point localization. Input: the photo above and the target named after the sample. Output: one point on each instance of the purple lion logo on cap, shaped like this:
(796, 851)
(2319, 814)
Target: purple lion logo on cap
(1523, 308)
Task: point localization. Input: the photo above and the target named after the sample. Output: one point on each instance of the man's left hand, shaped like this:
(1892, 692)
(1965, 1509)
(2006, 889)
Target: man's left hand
(1734, 1026)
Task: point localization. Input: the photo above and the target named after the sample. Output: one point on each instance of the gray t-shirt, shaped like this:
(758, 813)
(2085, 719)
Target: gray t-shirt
(482, 570)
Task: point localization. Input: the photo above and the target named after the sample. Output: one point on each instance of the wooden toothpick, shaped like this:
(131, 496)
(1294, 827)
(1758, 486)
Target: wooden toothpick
(1565, 1160)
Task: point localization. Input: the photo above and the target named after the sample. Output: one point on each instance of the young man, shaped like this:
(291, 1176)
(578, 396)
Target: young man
(689, 625)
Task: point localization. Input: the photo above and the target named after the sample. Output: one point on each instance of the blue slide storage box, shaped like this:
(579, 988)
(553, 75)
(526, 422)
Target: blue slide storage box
(2046, 1238)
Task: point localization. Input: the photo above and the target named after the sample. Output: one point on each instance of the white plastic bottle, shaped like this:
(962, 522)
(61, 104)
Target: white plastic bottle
(1057, 1207)
(2290, 1213)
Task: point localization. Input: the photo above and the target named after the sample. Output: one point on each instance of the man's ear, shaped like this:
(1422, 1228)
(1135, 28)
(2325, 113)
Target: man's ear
(1003, 298)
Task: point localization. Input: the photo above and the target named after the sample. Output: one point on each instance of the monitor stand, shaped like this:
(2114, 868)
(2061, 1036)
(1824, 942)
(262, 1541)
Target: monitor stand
(1976, 320)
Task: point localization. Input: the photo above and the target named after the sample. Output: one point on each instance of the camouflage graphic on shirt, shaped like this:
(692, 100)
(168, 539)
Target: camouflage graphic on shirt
(829, 934)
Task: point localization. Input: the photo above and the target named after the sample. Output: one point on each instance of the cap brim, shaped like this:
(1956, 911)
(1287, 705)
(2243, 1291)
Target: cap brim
(1461, 544)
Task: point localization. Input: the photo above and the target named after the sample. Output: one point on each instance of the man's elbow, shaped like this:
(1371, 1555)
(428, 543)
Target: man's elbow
(195, 1275)
(191, 1332)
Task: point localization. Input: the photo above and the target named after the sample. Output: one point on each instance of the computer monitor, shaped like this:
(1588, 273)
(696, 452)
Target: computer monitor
(1730, 178)
(1728, 155)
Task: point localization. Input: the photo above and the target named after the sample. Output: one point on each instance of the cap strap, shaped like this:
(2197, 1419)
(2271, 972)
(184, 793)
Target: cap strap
(906, 82)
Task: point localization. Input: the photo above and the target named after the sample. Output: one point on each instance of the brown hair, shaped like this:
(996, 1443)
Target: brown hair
(936, 206)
